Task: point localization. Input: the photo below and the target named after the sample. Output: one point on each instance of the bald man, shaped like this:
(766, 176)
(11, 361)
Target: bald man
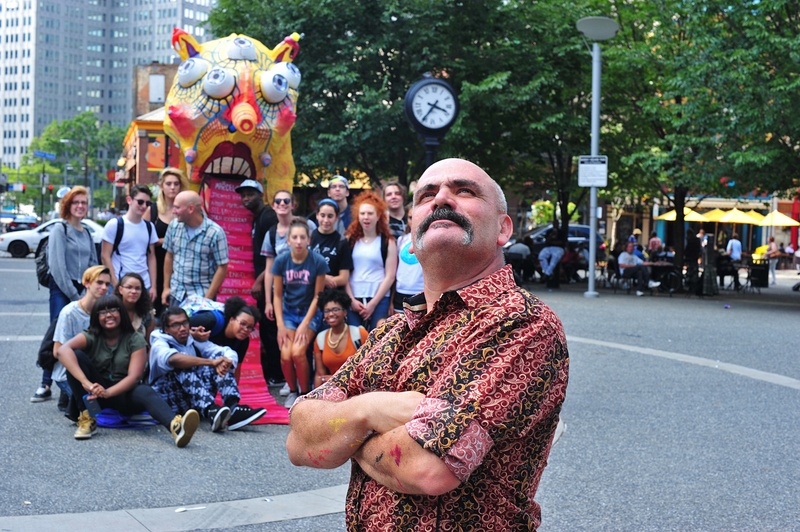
(197, 252)
(448, 411)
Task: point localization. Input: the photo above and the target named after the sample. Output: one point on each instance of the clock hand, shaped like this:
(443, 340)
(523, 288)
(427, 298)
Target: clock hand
(432, 107)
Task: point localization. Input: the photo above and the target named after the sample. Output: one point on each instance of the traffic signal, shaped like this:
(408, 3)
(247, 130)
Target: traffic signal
(50, 188)
(24, 187)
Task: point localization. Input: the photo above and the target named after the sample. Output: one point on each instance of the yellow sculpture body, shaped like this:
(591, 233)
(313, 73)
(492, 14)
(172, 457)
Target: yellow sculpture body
(232, 108)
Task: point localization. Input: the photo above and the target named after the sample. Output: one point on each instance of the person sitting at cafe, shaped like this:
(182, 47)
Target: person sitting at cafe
(632, 267)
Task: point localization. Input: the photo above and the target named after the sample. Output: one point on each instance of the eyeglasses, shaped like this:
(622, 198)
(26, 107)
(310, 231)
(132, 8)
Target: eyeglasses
(332, 310)
(108, 312)
(246, 326)
(132, 288)
(144, 202)
(80, 203)
(286, 201)
(179, 324)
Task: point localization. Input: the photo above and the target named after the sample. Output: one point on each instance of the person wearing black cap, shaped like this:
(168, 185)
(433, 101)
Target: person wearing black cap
(264, 217)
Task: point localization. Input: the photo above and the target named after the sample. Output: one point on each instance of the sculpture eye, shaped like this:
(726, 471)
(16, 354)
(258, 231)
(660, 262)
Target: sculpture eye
(219, 83)
(288, 71)
(191, 70)
(274, 87)
(242, 48)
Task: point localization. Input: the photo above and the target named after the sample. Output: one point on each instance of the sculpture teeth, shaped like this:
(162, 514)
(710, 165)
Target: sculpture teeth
(229, 166)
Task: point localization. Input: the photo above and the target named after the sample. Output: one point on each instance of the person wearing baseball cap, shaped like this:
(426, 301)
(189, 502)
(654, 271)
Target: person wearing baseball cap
(264, 217)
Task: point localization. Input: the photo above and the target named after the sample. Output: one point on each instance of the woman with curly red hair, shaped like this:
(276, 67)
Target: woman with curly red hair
(374, 253)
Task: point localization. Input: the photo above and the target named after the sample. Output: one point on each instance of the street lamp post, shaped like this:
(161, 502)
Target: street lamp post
(595, 29)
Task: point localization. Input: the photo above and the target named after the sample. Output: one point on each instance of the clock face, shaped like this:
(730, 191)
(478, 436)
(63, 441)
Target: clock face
(434, 106)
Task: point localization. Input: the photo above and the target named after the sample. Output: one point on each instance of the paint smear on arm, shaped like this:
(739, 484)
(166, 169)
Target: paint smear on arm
(336, 424)
(396, 453)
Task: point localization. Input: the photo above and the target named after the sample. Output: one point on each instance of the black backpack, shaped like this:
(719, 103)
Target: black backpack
(121, 230)
(40, 258)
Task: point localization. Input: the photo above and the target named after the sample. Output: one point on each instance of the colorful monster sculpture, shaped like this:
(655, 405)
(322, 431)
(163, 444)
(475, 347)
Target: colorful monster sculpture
(232, 107)
(231, 110)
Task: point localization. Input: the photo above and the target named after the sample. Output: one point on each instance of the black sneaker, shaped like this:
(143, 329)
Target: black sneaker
(218, 415)
(244, 415)
(41, 394)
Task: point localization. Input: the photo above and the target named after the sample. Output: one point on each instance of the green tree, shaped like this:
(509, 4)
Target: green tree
(82, 145)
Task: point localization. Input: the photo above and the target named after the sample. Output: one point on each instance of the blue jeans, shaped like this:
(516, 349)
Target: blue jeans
(58, 300)
(381, 313)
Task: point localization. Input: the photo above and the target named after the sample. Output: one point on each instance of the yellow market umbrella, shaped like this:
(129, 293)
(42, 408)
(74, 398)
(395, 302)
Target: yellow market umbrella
(715, 215)
(755, 215)
(776, 218)
(735, 216)
(688, 215)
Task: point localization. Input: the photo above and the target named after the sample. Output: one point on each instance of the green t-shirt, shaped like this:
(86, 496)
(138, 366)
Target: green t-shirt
(112, 361)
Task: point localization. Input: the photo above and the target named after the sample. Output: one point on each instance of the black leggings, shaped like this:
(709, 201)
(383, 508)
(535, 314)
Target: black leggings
(140, 397)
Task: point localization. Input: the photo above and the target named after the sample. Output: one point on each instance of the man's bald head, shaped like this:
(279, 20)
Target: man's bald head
(187, 208)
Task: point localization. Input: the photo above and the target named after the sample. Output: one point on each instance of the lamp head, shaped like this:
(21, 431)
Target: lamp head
(598, 28)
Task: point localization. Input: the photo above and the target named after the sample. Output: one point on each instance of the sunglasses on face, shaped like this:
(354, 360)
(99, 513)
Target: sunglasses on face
(286, 201)
(143, 202)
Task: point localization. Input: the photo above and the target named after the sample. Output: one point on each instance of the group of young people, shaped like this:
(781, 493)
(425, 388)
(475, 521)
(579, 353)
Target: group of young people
(320, 286)
(331, 282)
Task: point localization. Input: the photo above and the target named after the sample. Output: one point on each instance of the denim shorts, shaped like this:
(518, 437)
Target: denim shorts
(292, 318)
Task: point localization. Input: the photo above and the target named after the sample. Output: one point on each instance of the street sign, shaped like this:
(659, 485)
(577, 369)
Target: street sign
(592, 171)
(45, 155)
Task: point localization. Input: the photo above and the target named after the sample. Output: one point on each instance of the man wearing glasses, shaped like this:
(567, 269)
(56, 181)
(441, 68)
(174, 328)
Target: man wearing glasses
(188, 374)
(128, 241)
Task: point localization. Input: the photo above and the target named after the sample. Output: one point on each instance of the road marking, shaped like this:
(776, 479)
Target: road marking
(24, 313)
(17, 271)
(21, 338)
(773, 378)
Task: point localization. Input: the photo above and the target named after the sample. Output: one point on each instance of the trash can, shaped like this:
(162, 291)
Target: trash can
(759, 273)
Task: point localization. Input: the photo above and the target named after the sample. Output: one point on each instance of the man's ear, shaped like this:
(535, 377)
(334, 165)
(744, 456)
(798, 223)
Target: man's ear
(506, 230)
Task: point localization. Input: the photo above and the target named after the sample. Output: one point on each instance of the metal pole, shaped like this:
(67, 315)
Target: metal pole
(596, 72)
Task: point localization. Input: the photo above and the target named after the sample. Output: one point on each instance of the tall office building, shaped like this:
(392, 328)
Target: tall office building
(59, 58)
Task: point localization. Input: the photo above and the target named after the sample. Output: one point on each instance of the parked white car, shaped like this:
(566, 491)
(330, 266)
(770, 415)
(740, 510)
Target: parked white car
(21, 243)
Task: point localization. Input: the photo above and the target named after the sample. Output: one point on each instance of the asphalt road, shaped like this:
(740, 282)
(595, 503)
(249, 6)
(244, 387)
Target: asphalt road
(681, 415)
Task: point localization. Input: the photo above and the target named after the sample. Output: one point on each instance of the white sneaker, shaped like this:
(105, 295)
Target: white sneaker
(285, 390)
(639, 293)
(290, 399)
(653, 284)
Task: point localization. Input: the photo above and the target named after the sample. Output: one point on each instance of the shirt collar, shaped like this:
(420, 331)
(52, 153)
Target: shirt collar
(477, 294)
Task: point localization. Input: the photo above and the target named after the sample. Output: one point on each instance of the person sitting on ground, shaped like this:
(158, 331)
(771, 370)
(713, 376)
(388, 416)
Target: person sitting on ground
(106, 363)
(73, 319)
(137, 302)
(188, 374)
(632, 267)
(550, 256)
(338, 343)
(229, 327)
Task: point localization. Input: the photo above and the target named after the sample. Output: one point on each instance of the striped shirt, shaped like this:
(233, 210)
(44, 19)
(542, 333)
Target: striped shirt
(195, 258)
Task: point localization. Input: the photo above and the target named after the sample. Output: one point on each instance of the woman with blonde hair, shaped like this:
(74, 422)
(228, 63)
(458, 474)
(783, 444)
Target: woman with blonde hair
(70, 251)
(171, 182)
(374, 253)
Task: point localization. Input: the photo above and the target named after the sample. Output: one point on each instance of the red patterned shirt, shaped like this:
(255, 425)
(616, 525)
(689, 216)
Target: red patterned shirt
(492, 361)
